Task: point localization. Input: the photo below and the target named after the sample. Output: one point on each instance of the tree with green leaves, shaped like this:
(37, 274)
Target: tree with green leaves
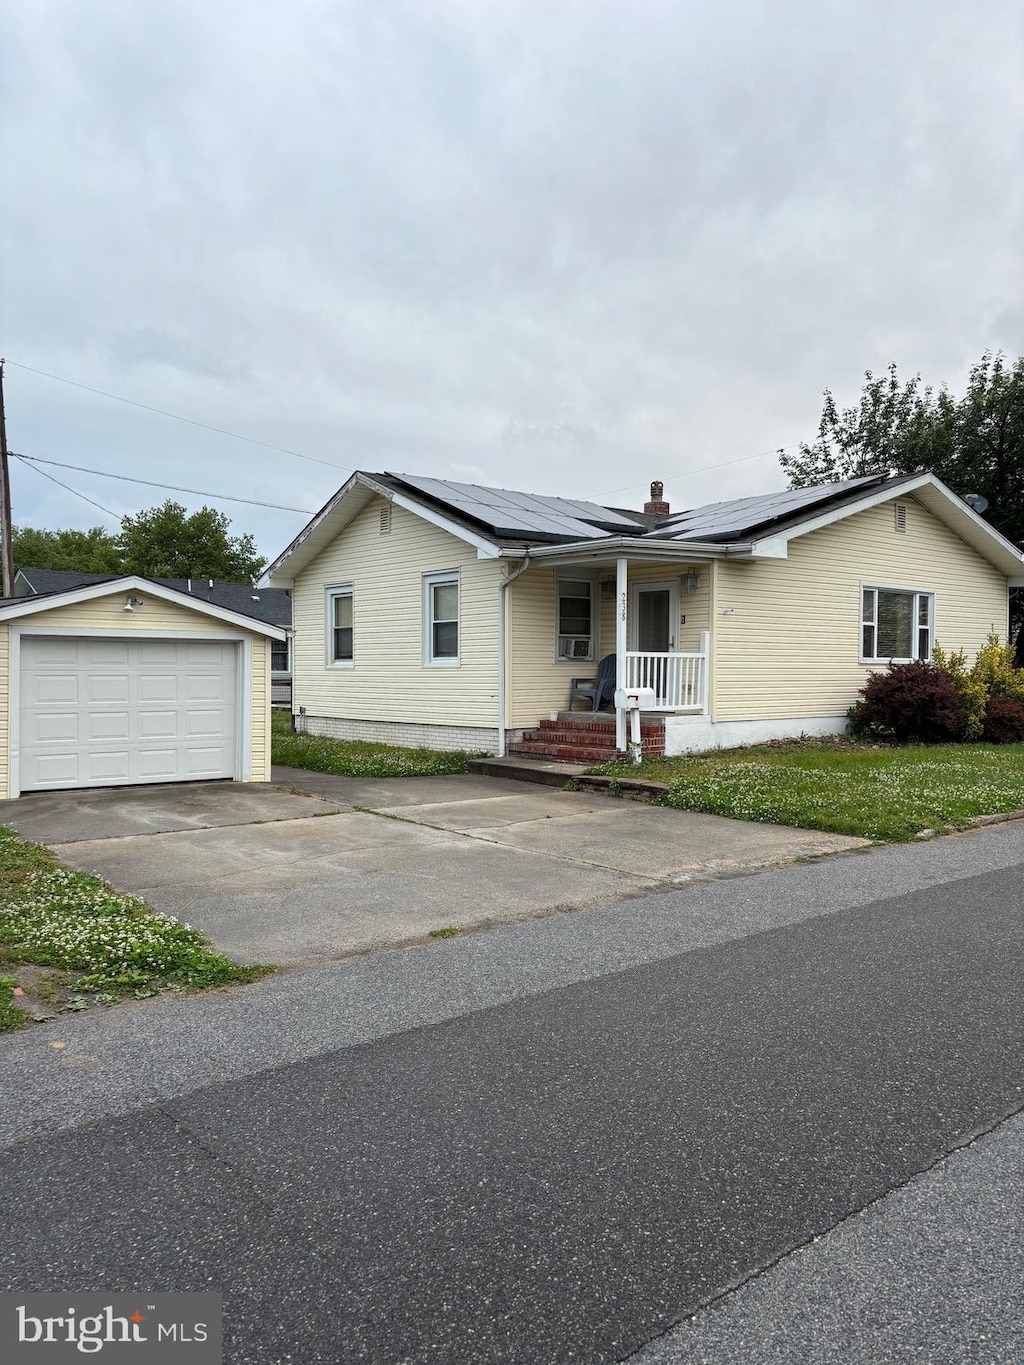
(94, 551)
(165, 542)
(974, 443)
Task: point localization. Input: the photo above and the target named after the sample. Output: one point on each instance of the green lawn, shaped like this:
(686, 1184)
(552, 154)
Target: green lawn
(68, 940)
(354, 758)
(882, 793)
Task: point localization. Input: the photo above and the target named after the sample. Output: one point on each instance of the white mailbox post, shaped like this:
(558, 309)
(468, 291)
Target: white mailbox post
(634, 700)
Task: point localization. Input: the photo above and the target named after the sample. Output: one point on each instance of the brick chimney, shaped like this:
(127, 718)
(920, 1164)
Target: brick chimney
(657, 507)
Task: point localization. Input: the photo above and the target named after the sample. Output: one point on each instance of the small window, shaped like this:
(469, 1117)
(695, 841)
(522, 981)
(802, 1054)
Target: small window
(441, 619)
(575, 618)
(279, 656)
(339, 627)
(896, 623)
(900, 517)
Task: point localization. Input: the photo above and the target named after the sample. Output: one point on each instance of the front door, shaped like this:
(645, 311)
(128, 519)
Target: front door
(654, 620)
(654, 632)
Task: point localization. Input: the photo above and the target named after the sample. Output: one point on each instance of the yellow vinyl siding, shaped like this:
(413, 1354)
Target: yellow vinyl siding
(5, 692)
(787, 635)
(388, 680)
(538, 683)
(259, 769)
(108, 613)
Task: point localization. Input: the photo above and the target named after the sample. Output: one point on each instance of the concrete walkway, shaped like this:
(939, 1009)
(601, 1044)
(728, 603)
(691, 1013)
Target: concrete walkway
(321, 867)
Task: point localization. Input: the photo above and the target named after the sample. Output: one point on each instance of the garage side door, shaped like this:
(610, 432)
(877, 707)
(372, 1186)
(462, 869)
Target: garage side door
(101, 713)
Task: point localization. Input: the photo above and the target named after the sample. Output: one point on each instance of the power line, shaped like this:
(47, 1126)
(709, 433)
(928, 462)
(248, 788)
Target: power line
(169, 487)
(701, 469)
(177, 417)
(52, 479)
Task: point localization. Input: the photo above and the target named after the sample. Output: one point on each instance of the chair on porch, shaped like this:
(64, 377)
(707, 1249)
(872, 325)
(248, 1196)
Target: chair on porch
(596, 689)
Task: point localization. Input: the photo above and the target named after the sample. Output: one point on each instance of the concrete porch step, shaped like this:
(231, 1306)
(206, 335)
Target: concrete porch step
(546, 772)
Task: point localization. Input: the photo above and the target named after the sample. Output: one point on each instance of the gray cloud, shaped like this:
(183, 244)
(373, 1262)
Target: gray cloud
(566, 247)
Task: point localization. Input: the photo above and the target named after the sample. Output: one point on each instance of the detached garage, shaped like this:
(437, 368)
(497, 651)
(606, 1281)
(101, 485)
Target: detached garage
(127, 682)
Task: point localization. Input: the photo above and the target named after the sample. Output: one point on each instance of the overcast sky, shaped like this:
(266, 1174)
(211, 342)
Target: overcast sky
(566, 247)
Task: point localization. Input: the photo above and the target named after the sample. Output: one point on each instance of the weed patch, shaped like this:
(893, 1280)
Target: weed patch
(879, 792)
(101, 944)
(355, 758)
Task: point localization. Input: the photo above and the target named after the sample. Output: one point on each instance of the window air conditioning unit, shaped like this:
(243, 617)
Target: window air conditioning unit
(574, 646)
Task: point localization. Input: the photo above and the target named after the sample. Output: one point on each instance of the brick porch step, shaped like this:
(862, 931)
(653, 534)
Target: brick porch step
(588, 738)
(558, 734)
(564, 753)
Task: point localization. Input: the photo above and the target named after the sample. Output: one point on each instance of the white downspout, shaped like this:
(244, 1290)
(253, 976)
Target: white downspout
(621, 598)
(503, 588)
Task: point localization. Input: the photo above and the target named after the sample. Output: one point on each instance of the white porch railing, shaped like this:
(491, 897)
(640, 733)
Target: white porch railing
(679, 681)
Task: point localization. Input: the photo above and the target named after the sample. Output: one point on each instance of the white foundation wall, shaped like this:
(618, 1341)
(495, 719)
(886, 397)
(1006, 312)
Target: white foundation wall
(697, 734)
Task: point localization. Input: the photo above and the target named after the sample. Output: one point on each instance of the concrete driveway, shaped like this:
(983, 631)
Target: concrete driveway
(321, 867)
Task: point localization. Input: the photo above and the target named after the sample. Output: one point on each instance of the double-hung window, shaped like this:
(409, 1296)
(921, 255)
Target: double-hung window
(441, 619)
(279, 656)
(896, 624)
(339, 626)
(575, 618)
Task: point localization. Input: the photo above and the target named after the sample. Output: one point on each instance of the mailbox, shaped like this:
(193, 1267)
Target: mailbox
(635, 698)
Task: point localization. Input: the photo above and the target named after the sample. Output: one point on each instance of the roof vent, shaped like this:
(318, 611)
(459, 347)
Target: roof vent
(385, 519)
(657, 507)
(900, 517)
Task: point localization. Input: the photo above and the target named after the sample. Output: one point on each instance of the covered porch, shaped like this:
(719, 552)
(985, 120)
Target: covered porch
(634, 623)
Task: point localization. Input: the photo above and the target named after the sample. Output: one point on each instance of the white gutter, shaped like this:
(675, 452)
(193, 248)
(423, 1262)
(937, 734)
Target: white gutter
(637, 548)
(503, 588)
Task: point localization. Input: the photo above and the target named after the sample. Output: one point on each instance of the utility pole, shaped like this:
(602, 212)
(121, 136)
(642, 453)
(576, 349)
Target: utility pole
(6, 549)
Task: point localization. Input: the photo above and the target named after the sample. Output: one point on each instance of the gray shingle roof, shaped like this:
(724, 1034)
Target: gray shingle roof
(270, 605)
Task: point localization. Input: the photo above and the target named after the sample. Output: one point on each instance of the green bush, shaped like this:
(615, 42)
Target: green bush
(1004, 721)
(910, 702)
(991, 676)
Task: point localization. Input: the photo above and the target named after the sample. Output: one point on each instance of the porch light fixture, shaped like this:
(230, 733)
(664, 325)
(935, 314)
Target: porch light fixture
(130, 603)
(689, 582)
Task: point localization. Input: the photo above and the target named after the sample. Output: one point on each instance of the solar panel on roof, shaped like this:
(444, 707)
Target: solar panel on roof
(718, 519)
(511, 512)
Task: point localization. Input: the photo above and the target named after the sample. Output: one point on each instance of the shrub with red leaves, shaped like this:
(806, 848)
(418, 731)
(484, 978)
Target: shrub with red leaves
(910, 702)
(1004, 721)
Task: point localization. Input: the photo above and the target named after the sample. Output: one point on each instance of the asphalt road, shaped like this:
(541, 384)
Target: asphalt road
(571, 1170)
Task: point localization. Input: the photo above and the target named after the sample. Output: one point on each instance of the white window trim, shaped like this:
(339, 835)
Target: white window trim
(595, 615)
(330, 593)
(892, 587)
(280, 672)
(429, 581)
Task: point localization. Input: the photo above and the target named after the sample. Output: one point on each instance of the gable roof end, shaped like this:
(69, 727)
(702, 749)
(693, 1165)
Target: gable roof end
(932, 494)
(14, 607)
(345, 505)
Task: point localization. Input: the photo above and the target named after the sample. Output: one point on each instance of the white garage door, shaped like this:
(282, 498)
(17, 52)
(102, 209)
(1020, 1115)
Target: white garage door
(101, 712)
